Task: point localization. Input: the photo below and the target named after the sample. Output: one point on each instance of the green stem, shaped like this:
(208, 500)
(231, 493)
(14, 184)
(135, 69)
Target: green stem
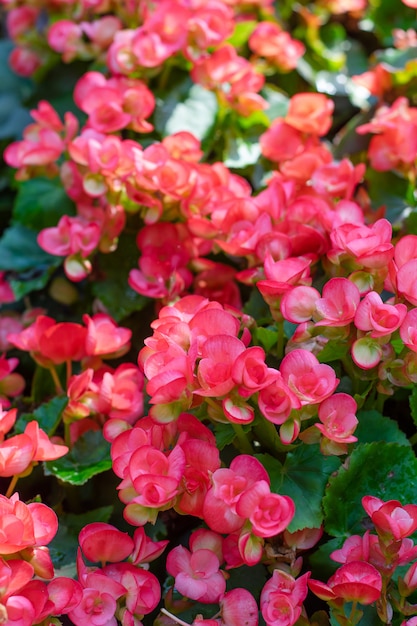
(67, 435)
(268, 436)
(380, 401)
(243, 442)
(280, 340)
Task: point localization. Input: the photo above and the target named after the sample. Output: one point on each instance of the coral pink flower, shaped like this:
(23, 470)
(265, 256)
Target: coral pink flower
(299, 303)
(392, 520)
(355, 581)
(310, 113)
(11, 383)
(276, 400)
(16, 454)
(270, 41)
(366, 246)
(215, 369)
(104, 543)
(196, 574)
(104, 337)
(311, 381)
(145, 549)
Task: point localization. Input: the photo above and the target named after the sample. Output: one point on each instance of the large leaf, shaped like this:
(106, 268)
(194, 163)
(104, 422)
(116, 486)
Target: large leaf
(14, 89)
(413, 404)
(40, 203)
(48, 415)
(384, 470)
(375, 427)
(63, 548)
(89, 456)
(19, 251)
(389, 190)
(187, 107)
(303, 477)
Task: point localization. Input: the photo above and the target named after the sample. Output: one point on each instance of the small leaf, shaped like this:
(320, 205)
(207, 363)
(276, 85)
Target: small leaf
(40, 203)
(89, 456)
(243, 30)
(224, 434)
(375, 427)
(384, 470)
(48, 415)
(303, 477)
(63, 548)
(333, 351)
(267, 337)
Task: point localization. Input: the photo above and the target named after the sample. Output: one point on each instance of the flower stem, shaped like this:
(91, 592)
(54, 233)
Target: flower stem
(243, 442)
(55, 378)
(12, 486)
(174, 618)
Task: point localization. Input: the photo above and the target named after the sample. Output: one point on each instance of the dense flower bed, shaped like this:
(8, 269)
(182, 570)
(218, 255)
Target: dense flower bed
(208, 318)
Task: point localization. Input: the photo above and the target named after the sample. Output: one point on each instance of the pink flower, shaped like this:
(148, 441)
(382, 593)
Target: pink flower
(311, 381)
(338, 304)
(364, 246)
(337, 415)
(282, 598)
(104, 543)
(381, 319)
(269, 513)
(310, 113)
(196, 574)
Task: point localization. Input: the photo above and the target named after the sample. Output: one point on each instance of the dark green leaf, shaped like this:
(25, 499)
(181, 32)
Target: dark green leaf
(47, 415)
(224, 434)
(394, 59)
(303, 477)
(22, 286)
(384, 470)
(375, 427)
(19, 251)
(40, 203)
(320, 562)
(89, 456)
(14, 89)
(187, 107)
(113, 290)
(63, 548)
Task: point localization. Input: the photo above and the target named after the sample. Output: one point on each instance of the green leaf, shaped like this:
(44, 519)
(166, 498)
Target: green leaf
(384, 470)
(413, 404)
(187, 107)
(389, 190)
(303, 477)
(224, 434)
(19, 251)
(242, 152)
(278, 102)
(63, 548)
(243, 30)
(89, 456)
(40, 203)
(375, 427)
(394, 59)
(267, 337)
(14, 89)
(47, 415)
(333, 351)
